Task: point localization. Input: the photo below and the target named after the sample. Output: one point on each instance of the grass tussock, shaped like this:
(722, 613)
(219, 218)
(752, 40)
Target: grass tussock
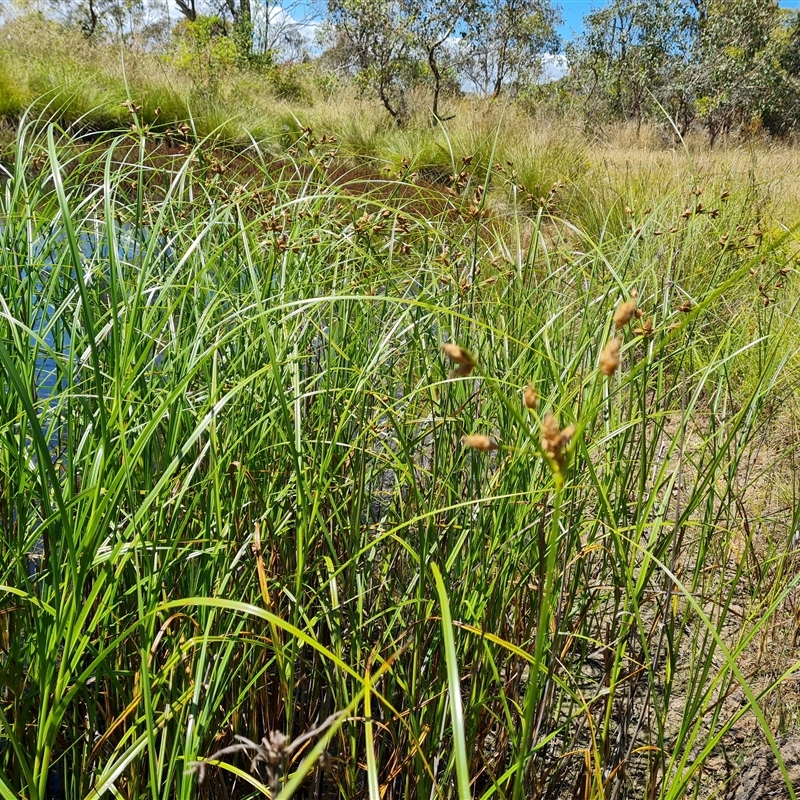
(343, 483)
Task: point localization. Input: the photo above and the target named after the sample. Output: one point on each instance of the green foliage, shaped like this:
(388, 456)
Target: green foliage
(728, 64)
(744, 80)
(292, 81)
(379, 47)
(204, 50)
(631, 58)
(393, 46)
(504, 41)
(236, 497)
(12, 96)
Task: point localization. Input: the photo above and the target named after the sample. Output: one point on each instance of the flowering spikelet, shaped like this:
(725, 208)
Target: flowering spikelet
(461, 372)
(530, 398)
(462, 357)
(477, 441)
(624, 313)
(609, 358)
(645, 329)
(555, 441)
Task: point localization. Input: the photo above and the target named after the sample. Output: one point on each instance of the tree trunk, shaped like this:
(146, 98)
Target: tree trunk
(187, 9)
(387, 104)
(91, 26)
(437, 81)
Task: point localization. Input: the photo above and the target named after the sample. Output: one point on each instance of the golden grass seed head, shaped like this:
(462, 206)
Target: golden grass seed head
(530, 398)
(458, 354)
(554, 441)
(479, 442)
(609, 358)
(624, 313)
(550, 431)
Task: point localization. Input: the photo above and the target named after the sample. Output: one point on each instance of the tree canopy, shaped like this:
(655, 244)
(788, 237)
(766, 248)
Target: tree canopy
(722, 64)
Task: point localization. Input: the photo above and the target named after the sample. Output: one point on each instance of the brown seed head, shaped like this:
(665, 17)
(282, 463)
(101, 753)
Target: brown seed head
(477, 441)
(550, 431)
(555, 441)
(530, 398)
(609, 358)
(458, 354)
(624, 313)
(461, 372)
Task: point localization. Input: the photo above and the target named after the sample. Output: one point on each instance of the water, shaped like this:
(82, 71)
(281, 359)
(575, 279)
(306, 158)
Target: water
(51, 337)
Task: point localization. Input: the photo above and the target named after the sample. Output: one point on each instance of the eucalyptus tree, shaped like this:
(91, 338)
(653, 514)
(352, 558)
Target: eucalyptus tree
(504, 43)
(634, 56)
(729, 65)
(490, 45)
(375, 36)
(433, 25)
(748, 75)
(118, 20)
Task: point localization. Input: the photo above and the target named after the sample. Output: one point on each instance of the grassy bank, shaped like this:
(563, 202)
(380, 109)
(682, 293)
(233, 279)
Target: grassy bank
(245, 492)
(87, 87)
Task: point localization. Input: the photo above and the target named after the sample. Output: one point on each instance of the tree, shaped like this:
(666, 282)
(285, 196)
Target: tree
(380, 47)
(634, 56)
(746, 76)
(504, 43)
(117, 19)
(729, 64)
(432, 25)
(278, 31)
(260, 31)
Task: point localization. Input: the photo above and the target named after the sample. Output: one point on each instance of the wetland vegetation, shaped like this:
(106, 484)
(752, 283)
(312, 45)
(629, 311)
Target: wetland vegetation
(347, 458)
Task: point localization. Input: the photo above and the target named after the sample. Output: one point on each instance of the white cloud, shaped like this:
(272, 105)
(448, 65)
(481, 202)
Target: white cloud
(554, 67)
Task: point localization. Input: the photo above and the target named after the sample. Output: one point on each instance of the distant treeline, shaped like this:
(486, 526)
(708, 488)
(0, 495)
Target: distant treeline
(723, 66)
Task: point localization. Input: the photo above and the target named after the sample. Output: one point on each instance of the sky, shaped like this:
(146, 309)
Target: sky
(573, 12)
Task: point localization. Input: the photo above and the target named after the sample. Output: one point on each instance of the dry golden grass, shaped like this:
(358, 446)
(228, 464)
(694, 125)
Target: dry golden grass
(65, 76)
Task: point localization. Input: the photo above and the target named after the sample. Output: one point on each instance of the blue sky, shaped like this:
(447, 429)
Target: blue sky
(573, 12)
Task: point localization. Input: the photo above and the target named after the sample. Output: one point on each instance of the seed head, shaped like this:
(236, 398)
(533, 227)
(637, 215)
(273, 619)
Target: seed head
(461, 372)
(530, 398)
(477, 441)
(458, 354)
(624, 313)
(609, 358)
(462, 357)
(555, 441)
